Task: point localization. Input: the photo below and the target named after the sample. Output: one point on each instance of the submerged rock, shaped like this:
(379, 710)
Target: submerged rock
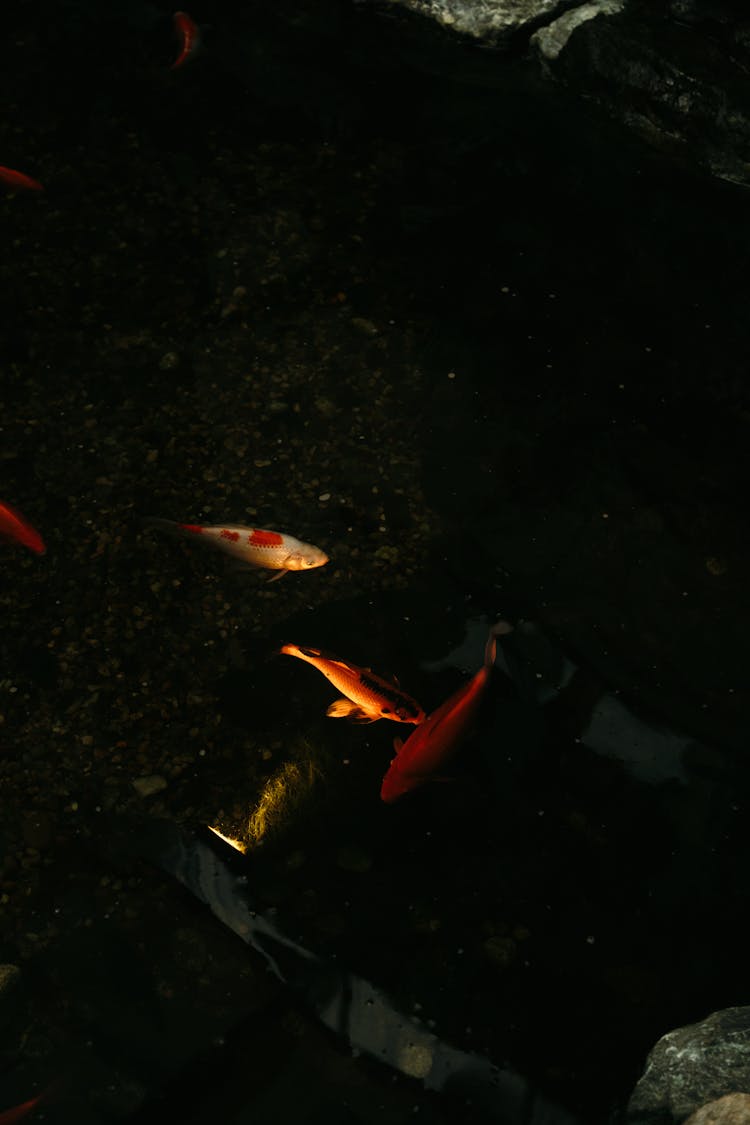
(681, 87)
(149, 785)
(674, 73)
(692, 1066)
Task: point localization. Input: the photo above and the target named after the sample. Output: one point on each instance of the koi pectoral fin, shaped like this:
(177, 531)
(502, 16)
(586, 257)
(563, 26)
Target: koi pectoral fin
(397, 744)
(345, 709)
(277, 576)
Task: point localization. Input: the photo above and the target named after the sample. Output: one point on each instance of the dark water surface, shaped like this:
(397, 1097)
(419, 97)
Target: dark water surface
(346, 277)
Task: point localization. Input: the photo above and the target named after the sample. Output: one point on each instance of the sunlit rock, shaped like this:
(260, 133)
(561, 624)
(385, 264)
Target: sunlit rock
(732, 1109)
(488, 20)
(551, 39)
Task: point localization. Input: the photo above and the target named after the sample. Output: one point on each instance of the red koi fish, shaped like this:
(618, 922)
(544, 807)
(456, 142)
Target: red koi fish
(15, 528)
(270, 550)
(18, 180)
(189, 35)
(369, 697)
(434, 740)
(17, 1112)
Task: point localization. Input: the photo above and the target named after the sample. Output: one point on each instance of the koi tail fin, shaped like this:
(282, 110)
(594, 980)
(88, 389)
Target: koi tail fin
(163, 525)
(499, 629)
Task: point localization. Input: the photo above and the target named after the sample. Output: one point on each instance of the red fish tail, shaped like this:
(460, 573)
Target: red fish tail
(189, 34)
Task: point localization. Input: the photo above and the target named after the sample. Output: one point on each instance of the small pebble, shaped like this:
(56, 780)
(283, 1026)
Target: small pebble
(149, 785)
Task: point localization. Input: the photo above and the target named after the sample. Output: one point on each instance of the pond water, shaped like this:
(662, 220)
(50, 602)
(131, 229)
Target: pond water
(346, 277)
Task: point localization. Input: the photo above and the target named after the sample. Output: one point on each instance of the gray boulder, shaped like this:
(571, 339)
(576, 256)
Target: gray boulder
(692, 1066)
(675, 73)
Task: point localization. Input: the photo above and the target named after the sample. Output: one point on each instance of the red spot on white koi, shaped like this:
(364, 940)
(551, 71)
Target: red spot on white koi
(193, 528)
(232, 536)
(259, 538)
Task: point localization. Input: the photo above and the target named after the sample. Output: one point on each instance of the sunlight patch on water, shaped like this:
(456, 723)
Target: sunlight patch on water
(238, 845)
(282, 795)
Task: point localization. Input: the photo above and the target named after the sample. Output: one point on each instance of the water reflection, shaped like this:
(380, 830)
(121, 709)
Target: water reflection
(346, 1003)
(598, 719)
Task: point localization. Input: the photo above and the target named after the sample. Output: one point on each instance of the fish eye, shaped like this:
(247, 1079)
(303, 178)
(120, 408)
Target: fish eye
(401, 712)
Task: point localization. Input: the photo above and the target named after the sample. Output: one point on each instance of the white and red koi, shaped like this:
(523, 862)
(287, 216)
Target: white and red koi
(427, 748)
(254, 546)
(368, 697)
(16, 528)
(18, 180)
(189, 35)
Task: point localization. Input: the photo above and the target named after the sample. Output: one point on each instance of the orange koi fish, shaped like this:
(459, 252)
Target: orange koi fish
(16, 528)
(270, 550)
(369, 697)
(18, 180)
(190, 38)
(442, 732)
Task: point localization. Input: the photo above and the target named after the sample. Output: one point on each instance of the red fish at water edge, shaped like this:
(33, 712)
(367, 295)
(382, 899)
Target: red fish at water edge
(254, 546)
(17, 529)
(18, 1112)
(18, 180)
(369, 697)
(189, 35)
(432, 743)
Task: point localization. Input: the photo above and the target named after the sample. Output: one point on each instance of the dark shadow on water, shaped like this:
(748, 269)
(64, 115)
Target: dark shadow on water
(540, 897)
(348, 1005)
